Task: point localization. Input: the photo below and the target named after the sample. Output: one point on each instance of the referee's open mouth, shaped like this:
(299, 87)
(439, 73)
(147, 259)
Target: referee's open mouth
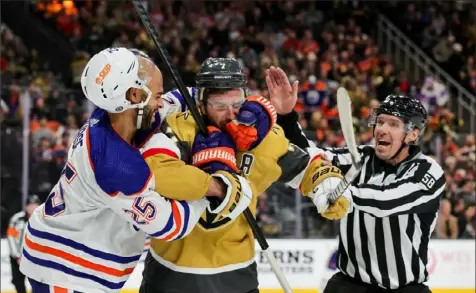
(382, 145)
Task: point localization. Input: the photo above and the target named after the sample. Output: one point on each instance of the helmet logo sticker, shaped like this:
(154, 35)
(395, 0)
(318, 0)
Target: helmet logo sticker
(104, 72)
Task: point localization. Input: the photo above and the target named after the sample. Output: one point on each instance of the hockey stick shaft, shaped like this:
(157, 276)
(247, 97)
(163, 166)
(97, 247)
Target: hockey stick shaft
(344, 184)
(164, 55)
(278, 272)
(344, 106)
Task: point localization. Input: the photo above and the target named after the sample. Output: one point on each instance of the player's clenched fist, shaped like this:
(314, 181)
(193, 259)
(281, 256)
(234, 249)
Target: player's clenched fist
(237, 199)
(318, 183)
(255, 119)
(214, 152)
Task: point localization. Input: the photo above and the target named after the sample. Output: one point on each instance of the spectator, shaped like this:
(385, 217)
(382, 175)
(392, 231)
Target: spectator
(444, 49)
(447, 33)
(266, 216)
(433, 94)
(447, 224)
(79, 62)
(470, 221)
(459, 213)
(43, 132)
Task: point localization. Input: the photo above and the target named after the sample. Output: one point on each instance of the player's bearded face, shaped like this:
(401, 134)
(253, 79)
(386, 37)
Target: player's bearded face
(223, 108)
(151, 109)
(148, 117)
(150, 72)
(389, 133)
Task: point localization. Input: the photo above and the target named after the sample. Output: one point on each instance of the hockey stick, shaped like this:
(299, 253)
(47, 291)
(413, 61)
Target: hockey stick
(344, 106)
(164, 55)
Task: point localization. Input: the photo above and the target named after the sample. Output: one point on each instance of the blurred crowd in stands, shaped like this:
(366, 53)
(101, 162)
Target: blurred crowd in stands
(445, 30)
(323, 46)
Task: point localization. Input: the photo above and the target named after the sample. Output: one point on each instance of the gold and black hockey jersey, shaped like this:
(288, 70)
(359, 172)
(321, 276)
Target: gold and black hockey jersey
(223, 246)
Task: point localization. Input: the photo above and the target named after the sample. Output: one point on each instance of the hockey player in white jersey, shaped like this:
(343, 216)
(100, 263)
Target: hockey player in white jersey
(90, 232)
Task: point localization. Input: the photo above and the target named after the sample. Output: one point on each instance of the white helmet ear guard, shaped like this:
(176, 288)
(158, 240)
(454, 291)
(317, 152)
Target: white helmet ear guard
(109, 75)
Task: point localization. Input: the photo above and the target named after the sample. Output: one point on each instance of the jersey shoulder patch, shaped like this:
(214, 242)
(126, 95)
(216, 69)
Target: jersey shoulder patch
(117, 165)
(430, 172)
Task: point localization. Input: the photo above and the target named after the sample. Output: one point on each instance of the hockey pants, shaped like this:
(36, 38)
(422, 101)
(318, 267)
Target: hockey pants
(340, 283)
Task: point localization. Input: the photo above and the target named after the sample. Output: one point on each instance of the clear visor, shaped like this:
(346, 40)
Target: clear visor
(146, 69)
(226, 106)
(144, 74)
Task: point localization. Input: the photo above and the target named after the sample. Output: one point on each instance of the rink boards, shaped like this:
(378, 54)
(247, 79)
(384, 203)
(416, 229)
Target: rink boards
(308, 263)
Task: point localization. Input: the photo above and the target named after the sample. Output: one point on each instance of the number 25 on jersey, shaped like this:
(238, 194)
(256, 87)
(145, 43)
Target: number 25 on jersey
(54, 204)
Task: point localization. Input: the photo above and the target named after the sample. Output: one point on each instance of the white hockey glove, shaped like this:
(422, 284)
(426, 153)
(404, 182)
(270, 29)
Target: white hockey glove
(238, 196)
(319, 184)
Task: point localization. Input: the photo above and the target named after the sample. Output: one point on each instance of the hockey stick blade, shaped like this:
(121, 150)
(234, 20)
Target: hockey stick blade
(164, 55)
(344, 106)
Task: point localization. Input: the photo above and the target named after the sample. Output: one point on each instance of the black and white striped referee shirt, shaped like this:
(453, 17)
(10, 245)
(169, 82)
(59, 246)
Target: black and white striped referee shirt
(15, 233)
(384, 239)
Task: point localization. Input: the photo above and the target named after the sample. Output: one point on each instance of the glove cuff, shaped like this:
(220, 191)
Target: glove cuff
(316, 175)
(267, 106)
(348, 194)
(225, 200)
(223, 155)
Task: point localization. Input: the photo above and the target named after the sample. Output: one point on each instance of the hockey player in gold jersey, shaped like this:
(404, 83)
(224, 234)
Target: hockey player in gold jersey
(218, 255)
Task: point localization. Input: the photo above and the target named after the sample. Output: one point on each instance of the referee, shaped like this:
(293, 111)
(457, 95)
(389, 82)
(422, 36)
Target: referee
(383, 240)
(15, 233)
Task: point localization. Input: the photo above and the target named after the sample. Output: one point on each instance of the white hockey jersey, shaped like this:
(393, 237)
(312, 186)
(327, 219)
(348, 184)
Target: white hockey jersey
(175, 102)
(90, 232)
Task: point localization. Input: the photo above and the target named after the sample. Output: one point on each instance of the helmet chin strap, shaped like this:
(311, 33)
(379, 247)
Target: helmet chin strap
(141, 106)
(404, 144)
(140, 114)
